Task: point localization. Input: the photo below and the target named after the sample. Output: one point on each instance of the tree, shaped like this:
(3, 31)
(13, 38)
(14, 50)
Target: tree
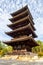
(4, 49)
(40, 42)
(9, 49)
(38, 49)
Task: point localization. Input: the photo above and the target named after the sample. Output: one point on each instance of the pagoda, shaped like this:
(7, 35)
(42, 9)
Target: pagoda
(23, 31)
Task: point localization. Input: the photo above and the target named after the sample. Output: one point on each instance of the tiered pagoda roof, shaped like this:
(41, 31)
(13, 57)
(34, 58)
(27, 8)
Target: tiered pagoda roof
(22, 40)
(24, 21)
(22, 10)
(23, 30)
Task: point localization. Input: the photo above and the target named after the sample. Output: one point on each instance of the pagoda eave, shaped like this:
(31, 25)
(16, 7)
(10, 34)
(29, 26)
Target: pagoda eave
(25, 29)
(23, 39)
(11, 26)
(21, 10)
(24, 21)
(16, 20)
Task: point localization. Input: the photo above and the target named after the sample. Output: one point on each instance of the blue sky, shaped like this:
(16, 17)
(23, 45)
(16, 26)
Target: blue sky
(9, 6)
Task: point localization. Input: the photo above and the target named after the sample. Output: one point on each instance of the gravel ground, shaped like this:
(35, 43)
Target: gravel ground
(15, 62)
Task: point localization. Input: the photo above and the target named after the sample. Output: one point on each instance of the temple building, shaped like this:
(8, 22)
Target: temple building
(23, 31)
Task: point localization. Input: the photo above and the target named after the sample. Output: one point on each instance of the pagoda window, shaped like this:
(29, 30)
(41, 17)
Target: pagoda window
(18, 47)
(15, 47)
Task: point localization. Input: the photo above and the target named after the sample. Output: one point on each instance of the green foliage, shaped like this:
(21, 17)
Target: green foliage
(40, 54)
(9, 49)
(38, 49)
(2, 45)
(4, 49)
(40, 42)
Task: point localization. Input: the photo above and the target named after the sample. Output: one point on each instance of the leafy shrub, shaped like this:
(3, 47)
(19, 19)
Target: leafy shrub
(4, 49)
(38, 50)
(40, 54)
(9, 49)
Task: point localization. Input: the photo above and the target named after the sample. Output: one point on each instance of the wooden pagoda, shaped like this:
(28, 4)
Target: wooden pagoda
(23, 31)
